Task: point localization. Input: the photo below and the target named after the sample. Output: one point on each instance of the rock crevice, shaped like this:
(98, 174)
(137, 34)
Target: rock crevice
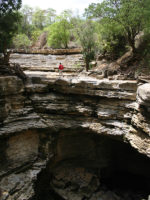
(73, 136)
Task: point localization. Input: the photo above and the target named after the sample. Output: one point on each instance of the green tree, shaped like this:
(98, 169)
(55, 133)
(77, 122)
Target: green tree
(38, 19)
(25, 25)
(50, 16)
(76, 22)
(111, 40)
(60, 31)
(9, 19)
(35, 35)
(8, 6)
(130, 16)
(21, 41)
(87, 38)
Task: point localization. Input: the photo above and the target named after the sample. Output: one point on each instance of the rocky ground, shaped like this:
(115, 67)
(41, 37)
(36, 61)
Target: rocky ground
(76, 137)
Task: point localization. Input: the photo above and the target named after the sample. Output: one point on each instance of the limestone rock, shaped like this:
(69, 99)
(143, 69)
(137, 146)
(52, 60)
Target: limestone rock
(64, 132)
(41, 42)
(125, 58)
(143, 95)
(49, 51)
(81, 183)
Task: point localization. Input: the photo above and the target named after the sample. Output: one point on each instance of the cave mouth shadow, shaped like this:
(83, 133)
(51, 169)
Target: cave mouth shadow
(124, 182)
(118, 166)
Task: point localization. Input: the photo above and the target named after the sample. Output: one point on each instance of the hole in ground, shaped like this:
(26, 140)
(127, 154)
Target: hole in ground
(91, 167)
(125, 184)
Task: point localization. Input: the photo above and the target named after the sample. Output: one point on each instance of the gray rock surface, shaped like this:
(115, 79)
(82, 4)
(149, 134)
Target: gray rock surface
(143, 95)
(51, 119)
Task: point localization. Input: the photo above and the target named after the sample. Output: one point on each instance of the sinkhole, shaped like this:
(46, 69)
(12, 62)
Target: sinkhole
(87, 166)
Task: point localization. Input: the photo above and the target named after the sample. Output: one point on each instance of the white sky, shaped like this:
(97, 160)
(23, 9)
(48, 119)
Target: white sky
(60, 5)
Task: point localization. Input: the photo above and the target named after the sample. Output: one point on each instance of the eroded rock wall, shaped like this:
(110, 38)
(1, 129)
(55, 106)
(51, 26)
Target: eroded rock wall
(48, 121)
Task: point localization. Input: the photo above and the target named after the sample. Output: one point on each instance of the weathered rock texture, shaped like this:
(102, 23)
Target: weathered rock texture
(49, 51)
(64, 138)
(41, 42)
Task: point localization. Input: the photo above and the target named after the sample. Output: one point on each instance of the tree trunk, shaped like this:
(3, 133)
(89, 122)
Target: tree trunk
(132, 44)
(6, 57)
(66, 46)
(87, 65)
(131, 41)
(6, 53)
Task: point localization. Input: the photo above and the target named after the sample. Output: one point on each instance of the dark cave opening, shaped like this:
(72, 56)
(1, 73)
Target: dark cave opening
(43, 191)
(91, 167)
(124, 184)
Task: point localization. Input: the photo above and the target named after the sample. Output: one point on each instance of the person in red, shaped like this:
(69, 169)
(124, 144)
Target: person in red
(61, 67)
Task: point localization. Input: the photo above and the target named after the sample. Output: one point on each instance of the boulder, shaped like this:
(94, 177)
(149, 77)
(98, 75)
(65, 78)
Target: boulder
(41, 42)
(143, 95)
(125, 58)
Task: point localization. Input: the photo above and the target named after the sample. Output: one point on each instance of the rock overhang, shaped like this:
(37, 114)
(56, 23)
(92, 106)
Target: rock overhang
(50, 106)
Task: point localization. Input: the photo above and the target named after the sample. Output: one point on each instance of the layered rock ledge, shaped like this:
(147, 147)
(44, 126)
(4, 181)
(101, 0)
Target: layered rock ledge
(49, 51)
(68, 133)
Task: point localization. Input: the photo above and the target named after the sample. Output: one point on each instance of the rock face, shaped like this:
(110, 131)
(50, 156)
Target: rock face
(143, 95)
(49, 51)
(73, 138)
(41, 42)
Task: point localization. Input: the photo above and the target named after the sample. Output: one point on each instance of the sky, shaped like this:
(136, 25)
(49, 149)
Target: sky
(77, 6)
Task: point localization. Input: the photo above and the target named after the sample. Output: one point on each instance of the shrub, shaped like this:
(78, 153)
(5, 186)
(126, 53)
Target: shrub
(35, 35)
(21, 41)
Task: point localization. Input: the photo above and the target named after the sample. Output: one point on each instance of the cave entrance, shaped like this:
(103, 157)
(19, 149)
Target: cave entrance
(126, 185)
(94, 167)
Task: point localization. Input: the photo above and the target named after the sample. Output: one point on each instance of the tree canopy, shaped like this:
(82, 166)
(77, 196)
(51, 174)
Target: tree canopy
(87, 40)
(9, 6)
(131, 16)
(9, 19)
(109, 28)
(59, 32)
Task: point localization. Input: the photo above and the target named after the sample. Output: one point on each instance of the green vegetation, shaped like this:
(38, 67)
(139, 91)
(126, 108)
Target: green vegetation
(109, 28)
(127, 17)
(21, 41)
(25, 27)
(35, 35)
(88, 41)
(38, 19)
(59, 31)
(9, 18)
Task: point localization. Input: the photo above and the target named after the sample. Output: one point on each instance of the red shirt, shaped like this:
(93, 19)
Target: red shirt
(61, 67)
